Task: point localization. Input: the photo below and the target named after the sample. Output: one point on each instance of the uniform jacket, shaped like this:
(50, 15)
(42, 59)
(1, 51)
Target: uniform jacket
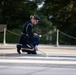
(27, 36)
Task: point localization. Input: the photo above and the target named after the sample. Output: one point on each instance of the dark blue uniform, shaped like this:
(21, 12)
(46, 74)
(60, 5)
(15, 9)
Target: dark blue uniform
(27, 40)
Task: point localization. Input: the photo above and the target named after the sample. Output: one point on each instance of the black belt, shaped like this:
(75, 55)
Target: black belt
(24, 34)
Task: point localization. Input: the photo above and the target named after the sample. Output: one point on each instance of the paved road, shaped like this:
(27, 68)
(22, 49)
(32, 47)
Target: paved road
(43, 49)
(56, 61)
(7, 68)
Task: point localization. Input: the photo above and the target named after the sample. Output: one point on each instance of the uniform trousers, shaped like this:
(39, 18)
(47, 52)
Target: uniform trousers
(30, 48)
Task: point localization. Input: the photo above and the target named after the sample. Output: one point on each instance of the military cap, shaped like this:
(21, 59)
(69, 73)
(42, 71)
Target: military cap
(36, 17)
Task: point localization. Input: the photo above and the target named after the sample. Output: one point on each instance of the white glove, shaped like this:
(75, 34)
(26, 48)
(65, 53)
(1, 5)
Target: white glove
(36, 47)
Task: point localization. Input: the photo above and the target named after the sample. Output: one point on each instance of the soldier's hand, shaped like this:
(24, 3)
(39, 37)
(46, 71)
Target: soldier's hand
(35, 34)
(36, 47)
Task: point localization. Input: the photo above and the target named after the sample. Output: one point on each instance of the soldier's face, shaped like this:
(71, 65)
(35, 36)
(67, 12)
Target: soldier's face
(35, 21)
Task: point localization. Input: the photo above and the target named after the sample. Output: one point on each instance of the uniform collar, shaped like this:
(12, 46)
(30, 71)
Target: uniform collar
(31, 23)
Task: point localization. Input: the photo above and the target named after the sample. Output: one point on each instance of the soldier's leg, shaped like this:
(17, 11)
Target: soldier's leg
(24, 48)
(34, 50)
(37, 39)
(29, 48)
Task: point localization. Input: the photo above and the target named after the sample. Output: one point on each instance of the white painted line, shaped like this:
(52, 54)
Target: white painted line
(37, 61)
(47, 58)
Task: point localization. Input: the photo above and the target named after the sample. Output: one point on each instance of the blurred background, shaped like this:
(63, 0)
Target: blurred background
(57, 24)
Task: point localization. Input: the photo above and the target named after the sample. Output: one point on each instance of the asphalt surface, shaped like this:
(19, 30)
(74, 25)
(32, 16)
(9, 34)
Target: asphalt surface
(36, 69)
(50, 60)
(9, 51)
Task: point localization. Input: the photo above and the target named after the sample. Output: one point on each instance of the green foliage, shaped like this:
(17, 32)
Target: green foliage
(11, 38)
(64, 16)
(15, 12)
(1, 37)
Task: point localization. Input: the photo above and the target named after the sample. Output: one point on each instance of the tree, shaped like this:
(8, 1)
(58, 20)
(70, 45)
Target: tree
(64, 16)
(15, 12)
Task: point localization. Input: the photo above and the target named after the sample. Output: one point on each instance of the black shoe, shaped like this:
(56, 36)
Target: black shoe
(18, 49)
(28, 52)
(34, 53)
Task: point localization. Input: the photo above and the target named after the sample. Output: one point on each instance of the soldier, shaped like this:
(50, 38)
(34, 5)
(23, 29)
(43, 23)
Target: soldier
(28, 40)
